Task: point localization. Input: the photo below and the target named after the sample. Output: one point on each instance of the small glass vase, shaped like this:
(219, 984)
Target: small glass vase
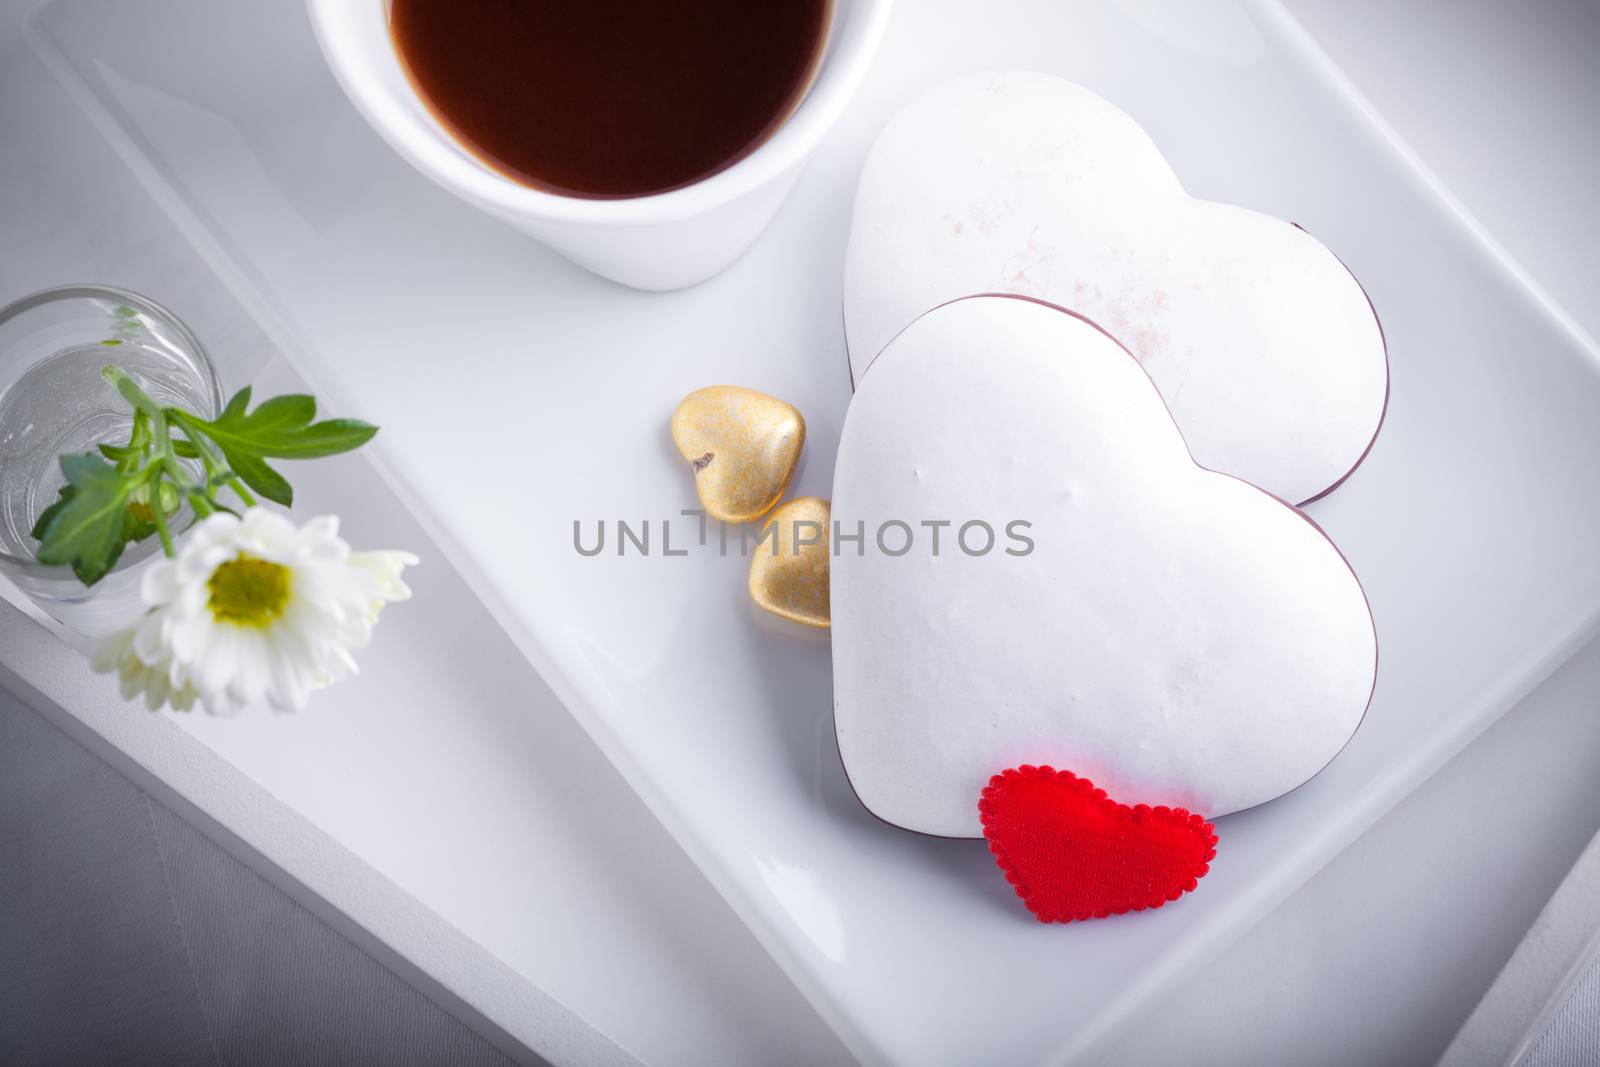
(53, 401)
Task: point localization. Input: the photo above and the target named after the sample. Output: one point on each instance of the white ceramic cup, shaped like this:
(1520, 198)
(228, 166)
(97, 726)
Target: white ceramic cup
(663, 241)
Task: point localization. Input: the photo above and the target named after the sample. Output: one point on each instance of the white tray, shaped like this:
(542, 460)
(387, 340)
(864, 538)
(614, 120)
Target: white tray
(519, 394)
(1546, 993)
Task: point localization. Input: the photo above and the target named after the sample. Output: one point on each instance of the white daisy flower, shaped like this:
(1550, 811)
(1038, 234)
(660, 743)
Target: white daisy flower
(253, 608)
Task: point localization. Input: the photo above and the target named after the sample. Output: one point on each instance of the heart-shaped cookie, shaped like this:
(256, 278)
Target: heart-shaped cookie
(742, 446)
(1071, 852)
(1174, 634)
(1266, 349)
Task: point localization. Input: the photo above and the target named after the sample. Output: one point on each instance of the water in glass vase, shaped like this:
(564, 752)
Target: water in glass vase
(54, 401)
(63, 405)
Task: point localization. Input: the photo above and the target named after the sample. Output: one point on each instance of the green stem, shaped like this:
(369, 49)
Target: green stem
(169, 458)
(198, 496)
(237, 485)
(159, 511)
(138, 441)
(195, 434)
(130, 390)
(165, 459)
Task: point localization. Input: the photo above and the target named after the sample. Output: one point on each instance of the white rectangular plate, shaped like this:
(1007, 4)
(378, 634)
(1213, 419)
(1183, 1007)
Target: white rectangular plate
(519, 394)
(1546, 995)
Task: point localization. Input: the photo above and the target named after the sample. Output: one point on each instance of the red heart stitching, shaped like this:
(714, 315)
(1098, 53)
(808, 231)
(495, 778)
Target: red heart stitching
(1073, 853)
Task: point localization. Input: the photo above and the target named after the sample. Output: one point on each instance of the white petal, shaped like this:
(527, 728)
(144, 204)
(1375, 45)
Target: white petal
(196, 567)
(192, 600)
(355, 630)
(160, 583)
(386, 566)
(266, 533)
(347, 664)
(322, 526)
(155, 692)
(249, 683)
(213, 671)
(313, 623)
(291, 667)
(131, 678)
(149, 638)
(188, 636)
(319, 540)
(215, 529)
(109, 651)
(218, 704)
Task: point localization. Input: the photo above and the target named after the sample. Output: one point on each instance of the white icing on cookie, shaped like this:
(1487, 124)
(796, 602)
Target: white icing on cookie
(1176, 635)
(1262, 343)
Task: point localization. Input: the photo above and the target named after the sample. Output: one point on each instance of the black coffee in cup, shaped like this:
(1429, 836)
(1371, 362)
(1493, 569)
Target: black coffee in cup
(610, 98)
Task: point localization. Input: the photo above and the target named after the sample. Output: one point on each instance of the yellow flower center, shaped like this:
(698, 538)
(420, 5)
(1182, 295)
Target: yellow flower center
(248, 591)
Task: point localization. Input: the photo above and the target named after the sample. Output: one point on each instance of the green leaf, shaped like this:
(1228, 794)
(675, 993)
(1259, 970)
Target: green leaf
(260, 477)
(282, 429)
(236, 406)
(49, 513)
(184, 449)
(111, 342)
(85, 527)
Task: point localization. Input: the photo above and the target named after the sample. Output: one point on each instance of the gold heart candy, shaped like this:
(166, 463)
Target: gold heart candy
(789, 564)
(743, 446)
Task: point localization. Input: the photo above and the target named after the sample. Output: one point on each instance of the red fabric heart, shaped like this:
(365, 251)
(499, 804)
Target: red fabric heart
(1073, 853)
